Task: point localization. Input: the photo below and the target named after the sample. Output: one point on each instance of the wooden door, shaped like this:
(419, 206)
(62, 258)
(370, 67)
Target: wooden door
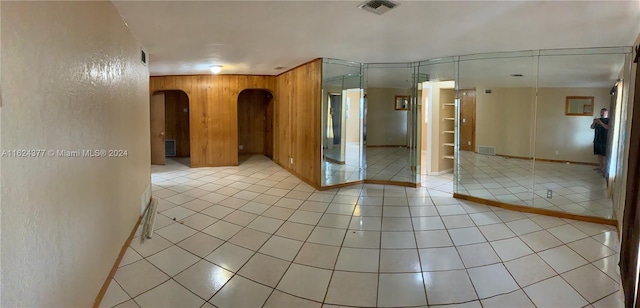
(467, 120)
(157, 129)
(268, 127)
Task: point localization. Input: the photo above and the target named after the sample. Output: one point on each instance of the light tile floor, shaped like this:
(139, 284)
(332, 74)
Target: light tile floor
(255, 236)
(576, 189)
(383, 163)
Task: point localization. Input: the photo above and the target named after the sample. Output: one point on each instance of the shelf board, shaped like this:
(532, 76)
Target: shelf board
(448, 132)
(448, 156)
(448, 144)
(452, 119)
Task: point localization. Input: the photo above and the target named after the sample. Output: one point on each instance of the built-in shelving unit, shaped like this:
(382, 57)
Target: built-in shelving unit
(447, 127)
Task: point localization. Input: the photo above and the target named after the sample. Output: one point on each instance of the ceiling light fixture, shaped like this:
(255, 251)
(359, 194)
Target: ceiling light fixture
(216, 69)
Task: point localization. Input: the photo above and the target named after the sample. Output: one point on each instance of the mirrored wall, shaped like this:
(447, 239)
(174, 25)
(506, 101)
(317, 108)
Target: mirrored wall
(342, 122)
(520, 128)
(390, 138)
(540, 137)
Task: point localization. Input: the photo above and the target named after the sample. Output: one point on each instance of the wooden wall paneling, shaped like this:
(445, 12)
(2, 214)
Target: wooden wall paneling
(251, 121)
(182, 126)
(170, 105)
(231, 119)
(213, 114)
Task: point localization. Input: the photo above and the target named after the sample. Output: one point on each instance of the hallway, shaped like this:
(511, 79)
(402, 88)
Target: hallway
(255, 235)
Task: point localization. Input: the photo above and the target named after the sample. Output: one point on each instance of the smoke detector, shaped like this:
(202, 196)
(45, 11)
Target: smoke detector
(378, 7)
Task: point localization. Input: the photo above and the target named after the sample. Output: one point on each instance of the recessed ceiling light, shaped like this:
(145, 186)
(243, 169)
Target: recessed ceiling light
(216, 69)
(517, 75)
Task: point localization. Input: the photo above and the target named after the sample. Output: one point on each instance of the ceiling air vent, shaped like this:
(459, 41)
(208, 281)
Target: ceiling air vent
(378, 6)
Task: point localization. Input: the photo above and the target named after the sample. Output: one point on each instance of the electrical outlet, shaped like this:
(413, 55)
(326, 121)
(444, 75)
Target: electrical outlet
(241, 147)
(549, 193)
(291, 160)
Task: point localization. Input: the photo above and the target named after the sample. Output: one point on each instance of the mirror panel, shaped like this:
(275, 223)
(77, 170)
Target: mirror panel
(436, 112)
(496, 101)
(342, 122)
(568, 175)
(389, 135)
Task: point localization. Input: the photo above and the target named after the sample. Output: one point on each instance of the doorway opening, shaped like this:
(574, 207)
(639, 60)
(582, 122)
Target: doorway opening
(467, 120)
(255, 123)
(170, 133)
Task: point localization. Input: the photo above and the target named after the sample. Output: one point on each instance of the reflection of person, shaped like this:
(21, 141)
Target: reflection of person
(601, 126)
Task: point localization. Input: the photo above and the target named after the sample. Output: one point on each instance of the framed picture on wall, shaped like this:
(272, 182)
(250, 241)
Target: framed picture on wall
(402, 102)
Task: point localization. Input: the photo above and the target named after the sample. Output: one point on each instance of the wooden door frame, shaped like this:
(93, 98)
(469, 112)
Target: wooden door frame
(473, 119)
(630, 245)
(266, 124)
(272, 102)
(190, 120)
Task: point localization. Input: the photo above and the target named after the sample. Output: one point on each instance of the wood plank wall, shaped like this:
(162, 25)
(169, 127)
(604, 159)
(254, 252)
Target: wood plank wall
(252, 109)
(297, 115)
(213, 119)
(177, 121)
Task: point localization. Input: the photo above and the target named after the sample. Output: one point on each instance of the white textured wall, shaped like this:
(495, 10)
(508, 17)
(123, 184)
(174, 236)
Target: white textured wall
(73, 80)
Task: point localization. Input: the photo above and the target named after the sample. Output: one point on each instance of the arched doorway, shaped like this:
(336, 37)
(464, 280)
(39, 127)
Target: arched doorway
(170, 134)
(255, 122)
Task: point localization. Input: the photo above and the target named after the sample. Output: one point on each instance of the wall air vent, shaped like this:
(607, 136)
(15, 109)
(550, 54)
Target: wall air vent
(170, 148)
(487, 150)
(378, 7)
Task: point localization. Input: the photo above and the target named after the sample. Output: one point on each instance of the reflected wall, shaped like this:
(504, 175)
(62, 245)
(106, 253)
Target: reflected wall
(499, 122)
(529, 149)
(342, 122)
(390, 139)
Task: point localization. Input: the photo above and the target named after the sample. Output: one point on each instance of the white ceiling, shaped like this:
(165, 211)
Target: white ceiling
(254, 37)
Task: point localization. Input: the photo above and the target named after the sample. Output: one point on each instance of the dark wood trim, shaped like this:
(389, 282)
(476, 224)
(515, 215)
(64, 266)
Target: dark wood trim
(514, 157)
(114, 269)
(548, 160)
(185, 75)
(380, 182)
(630, 245)
(303, 64)
(533, 210)
(340, 185)
(567, 161)
(335, 161)
(213, 165)
(298, 176)
(394, 183)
